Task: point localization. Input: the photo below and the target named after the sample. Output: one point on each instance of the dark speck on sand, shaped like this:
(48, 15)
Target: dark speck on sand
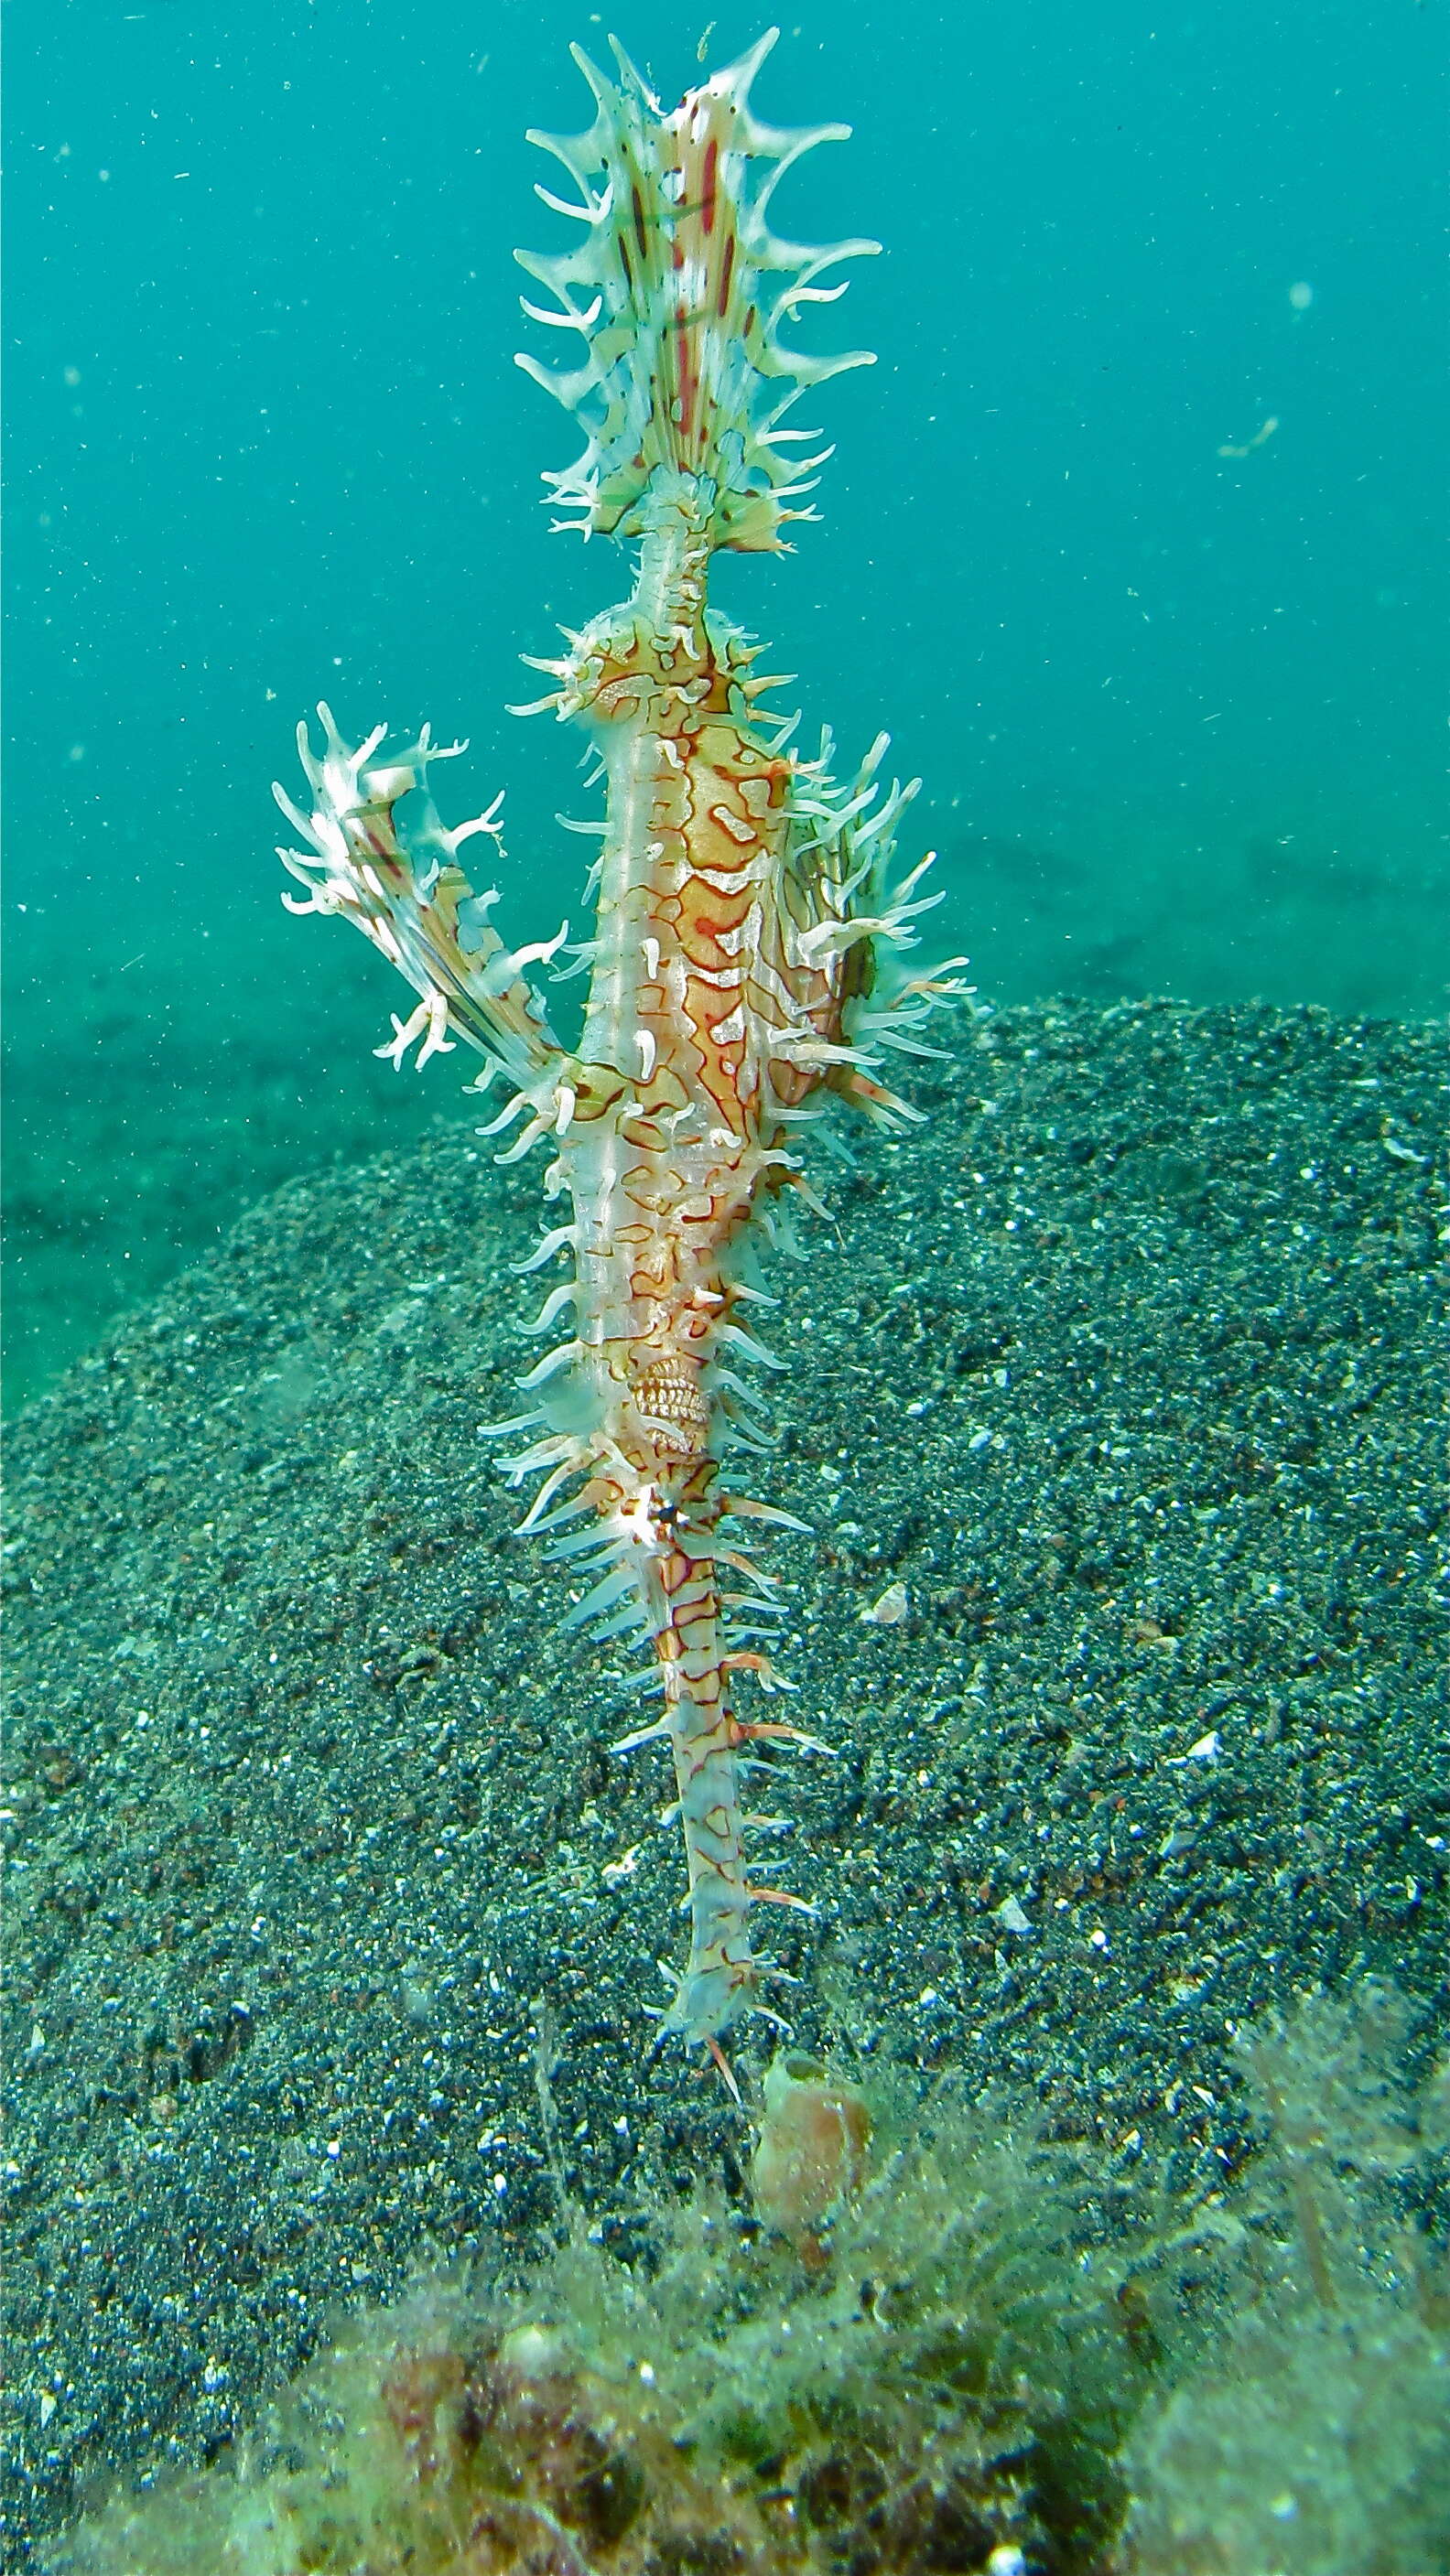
(1114, 1405)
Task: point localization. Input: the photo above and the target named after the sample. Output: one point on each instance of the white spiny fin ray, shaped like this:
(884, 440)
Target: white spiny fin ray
(836, 1145)
(802, 1046)
(648, 1678)
(609, 1548)
(564, 1295)
(605, 1593)
(559, 1472)
(536, 1128)
(592, 213)
(554, 1241)
(531, 1520)
(657, 1732)
(631, 1621)
(746, 1342)
(511, 962)
(782, 737)
(680, 292)
(515, 1422)
(775, 1896)
(833, 938)
(737, 1386)
(511, 1110)
(542, 1453)
(744, 1507)
(397, 878)
(565, 1512)
(745, 1564)
(567, 320)
(736, 1434)
(547, 1452)
(885, 1035)
(885, 1110)
(550, 1365)
(777, 1219)
(796, 1740)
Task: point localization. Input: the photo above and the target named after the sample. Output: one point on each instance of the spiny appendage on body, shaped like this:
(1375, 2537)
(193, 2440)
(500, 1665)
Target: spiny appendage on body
(747, 955)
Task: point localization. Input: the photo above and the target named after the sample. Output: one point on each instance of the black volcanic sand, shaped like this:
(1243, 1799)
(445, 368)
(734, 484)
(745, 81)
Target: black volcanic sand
(1126, 1367)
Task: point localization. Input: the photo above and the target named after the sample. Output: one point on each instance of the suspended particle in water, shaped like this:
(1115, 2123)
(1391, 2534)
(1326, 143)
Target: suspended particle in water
(1261, 437)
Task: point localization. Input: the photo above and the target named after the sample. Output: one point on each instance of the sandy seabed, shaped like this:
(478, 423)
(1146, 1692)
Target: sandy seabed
(1125, 1369)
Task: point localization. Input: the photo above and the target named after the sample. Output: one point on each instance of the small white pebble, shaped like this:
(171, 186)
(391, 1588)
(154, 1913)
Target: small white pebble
(890, 1610)
(1010, 1913)
(1207, 1749)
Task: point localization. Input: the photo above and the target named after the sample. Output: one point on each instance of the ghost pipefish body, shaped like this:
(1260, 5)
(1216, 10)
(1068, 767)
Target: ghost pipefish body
(747, 957)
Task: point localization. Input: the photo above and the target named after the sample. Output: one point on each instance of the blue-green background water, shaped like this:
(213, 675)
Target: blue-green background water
(1176, 711)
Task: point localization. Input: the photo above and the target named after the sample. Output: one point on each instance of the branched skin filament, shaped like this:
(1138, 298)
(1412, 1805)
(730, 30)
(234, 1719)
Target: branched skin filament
(745, 961)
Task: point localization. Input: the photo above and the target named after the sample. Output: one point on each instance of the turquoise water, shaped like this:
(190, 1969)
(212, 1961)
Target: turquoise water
(1176, 708)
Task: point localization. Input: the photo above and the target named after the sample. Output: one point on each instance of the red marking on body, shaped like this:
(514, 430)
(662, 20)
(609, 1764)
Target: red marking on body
(701, 932)
(727, 267)
(637, 203)
(707, 191)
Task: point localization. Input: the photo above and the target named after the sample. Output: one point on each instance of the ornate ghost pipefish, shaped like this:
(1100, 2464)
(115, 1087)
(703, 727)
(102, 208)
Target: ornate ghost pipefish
(747, 957)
